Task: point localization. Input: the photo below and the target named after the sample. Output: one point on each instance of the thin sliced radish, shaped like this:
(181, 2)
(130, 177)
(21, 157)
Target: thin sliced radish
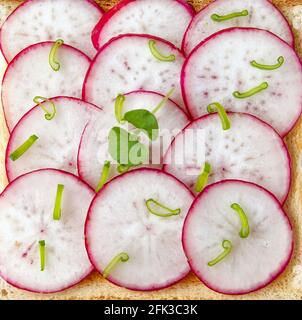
(262, 14)
(93, 151)
(222, 65)
(250, 150)
(126, 64)
(48, 20)
(58, 139)
(119, 221)
(260, 239)
(154, 17)
(27, 207)
(30, 75)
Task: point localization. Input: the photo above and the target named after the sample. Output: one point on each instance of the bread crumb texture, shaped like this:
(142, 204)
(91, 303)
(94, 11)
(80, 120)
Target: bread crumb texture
(287, 286)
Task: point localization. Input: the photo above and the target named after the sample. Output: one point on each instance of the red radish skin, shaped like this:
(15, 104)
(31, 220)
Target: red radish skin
(187, 250)
(67, 81)
(90, 224)
(283, 121)
(206, 123)
(94, 143)
(103, 67)
(65, 176)
(33, 122)
(195, 34)
(6, 34)
(122, 6)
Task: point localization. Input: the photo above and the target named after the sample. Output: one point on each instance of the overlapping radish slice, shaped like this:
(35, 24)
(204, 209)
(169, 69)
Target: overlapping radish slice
(154, 17)
(223, 14)
(246, 70)
(47, 20)
(133, 230)
(93, 151)
(49, 143)
(42, 251)
(237, 238)
(250, 150)
(133, 62)
(30, 74)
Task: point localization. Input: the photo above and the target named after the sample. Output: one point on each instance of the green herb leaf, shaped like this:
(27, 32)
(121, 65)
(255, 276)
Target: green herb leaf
(23, 148)
(143, 120)
(58, 202)
(42, 254)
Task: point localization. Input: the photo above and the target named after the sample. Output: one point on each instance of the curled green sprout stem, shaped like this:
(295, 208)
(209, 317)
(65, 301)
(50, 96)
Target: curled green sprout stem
(23, 148)
(202, 179)
(217, 107)
(55, 65)
(227, 246)
(58, 202)
(104, 176)
(217, 18)
(170, 212)
(157, 55)
(42, 254)
(268, 67)
(123, 168)
(252, 92)
(121, 257)
(119, 104)
(245, 228)
(164, 101)
(40, 100)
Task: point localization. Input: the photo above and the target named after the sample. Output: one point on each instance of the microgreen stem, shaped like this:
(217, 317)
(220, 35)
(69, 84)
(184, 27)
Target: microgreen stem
(268, 67)
(252, 92)
(227, 246)
(202, 179)
(121, 257)
(170, 212)
(217, 18)
(42, 254)
(55, 65)
(40, 100)
(122, 168)
(58, 202)
(119, 104)
(23, 148)
(245, 228)
(104, 176)
(217, 107)
(157, 55)
(164, 101)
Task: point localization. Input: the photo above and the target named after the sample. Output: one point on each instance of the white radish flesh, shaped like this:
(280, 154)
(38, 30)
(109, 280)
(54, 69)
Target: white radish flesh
(27, 207)
(222, 65)
(48, 20)
(126, 64)
(93, 150)
(30, 75)
(119, 221)
(154, 17)
(58, 139)
(262, 14)
(251, 151)
(254, 261)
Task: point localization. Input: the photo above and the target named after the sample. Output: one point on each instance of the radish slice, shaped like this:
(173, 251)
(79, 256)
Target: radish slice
(127, 63)
(154, 17)
(93, 151)
(260, 14)
(250, 150)
(119, 222)
(30, 75)
(27, 207)
(246, 61)
(48, 20)
(247, 263)
(58, 139)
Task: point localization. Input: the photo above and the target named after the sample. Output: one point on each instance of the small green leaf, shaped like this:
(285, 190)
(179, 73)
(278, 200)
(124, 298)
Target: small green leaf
(125, 148)
(144, 120)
